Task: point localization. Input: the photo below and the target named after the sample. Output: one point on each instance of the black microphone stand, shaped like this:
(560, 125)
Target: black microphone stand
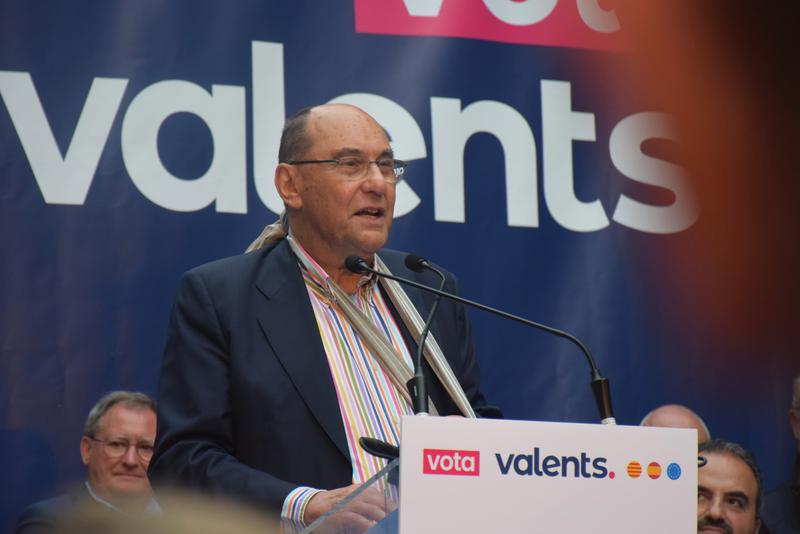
(416, 386)
(599, 384)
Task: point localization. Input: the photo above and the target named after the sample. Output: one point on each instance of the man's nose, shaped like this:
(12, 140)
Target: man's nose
(715, 508)
(131, 456)
(375, 180)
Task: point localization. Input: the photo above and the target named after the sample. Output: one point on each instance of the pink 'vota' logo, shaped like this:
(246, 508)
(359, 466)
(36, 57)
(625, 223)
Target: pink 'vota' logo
(583, 24)
(451, 462)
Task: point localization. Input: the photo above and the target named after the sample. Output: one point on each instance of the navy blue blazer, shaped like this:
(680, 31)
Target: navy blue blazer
(246, 402)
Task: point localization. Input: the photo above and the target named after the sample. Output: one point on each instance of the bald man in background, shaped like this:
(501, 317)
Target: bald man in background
(677, 416)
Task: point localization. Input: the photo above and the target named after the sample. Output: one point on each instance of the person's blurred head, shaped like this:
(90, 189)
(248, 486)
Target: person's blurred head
(117, 445)
(185, 513)
(728, 489)
(677, 416)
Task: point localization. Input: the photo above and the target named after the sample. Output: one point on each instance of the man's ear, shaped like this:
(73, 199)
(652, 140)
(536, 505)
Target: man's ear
(288, 184)
(86, 445)
(793, 420)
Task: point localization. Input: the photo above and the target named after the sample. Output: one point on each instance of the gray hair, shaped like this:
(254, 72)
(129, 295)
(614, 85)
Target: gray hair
(294, 139)
(796, 397)
(722, 446)
(130, 399)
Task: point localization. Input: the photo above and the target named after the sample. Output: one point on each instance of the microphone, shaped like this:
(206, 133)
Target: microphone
(379, 448)
(356, 264)
(599, 384)
(419, 264)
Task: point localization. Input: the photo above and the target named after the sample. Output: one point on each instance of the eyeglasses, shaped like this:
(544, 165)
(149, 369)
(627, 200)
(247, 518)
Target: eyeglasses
(353, 168)
(116, 448)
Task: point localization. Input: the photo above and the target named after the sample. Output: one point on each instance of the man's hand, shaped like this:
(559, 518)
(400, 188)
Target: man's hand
(358, 516)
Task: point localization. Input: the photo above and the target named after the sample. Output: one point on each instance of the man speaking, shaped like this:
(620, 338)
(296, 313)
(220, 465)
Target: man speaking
(279, 360)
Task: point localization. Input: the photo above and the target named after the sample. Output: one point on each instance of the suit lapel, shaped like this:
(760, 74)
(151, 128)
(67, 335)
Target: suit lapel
(287, 320)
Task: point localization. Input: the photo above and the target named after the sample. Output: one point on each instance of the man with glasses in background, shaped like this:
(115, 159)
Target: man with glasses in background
(116, 447)
(279, 360)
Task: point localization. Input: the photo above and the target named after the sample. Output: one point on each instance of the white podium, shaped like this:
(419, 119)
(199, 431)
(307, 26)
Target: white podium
(484, 475)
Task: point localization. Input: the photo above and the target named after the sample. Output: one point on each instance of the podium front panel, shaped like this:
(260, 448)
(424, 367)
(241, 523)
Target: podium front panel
(481, 475)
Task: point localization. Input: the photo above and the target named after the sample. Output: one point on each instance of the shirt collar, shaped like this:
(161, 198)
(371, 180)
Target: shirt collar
(152, 508)
(317, 274)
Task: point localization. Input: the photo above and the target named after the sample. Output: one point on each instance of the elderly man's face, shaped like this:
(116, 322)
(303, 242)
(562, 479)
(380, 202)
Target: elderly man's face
(114, 475)
(340, 216)
(726, 497)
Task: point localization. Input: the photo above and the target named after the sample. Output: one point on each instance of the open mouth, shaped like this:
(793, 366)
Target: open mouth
(371, 212)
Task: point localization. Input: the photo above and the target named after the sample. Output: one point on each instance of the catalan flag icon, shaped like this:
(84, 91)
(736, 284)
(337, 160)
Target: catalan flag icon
(654, 470)
(634, 469)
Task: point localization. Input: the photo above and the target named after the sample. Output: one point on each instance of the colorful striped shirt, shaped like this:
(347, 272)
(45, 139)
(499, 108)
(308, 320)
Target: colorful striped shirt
(370, 404)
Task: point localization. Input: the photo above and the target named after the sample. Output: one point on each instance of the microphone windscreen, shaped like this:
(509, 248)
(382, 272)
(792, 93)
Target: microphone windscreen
(416, 263)
(356, 264)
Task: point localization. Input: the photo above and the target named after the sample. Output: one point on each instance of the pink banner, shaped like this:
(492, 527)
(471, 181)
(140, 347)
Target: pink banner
(580, 24)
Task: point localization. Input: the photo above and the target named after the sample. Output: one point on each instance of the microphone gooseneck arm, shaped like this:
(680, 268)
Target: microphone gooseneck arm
(416, 386)
(600, 385)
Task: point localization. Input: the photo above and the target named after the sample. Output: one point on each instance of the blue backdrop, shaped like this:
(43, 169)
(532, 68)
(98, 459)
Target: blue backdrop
(138, 140)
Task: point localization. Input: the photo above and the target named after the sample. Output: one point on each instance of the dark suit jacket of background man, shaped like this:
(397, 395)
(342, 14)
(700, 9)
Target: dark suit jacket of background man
(246, 404)
(782, 505)
(51, 514)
